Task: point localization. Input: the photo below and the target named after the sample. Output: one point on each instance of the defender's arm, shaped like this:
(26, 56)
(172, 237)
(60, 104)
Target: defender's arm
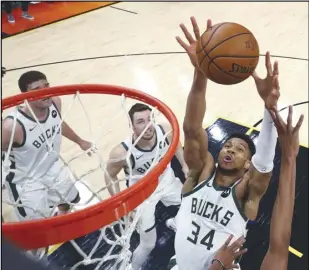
(282, 215)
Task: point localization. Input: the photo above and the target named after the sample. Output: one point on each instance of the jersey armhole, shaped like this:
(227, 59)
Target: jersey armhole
(237, 203)
(163, 132)
(199, 186)
(56, 108)
(16, 145)
(131, 156)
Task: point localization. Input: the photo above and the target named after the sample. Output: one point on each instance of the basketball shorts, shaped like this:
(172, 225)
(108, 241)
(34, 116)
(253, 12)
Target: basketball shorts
(37, 198)
(168, 194)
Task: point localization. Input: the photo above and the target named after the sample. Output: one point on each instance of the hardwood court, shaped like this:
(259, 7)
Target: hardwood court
(149, 29)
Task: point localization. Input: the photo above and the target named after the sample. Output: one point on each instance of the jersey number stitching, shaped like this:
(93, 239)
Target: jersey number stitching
(206, 240)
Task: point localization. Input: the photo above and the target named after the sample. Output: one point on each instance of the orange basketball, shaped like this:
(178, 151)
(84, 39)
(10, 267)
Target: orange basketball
(228, 53)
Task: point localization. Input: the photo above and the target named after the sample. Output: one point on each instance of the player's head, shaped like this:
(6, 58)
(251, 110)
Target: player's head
(235, 154)
(34, 80)
(140, 115)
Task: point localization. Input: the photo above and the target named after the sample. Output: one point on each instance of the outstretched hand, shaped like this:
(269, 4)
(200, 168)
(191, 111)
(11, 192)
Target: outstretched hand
(191, 47)
(287, 134)
(227, 254)
(268, 88)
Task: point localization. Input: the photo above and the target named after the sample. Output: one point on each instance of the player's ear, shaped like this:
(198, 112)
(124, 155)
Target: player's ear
(247, 164)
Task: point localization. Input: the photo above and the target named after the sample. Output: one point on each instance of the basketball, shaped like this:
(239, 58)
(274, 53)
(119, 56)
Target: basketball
(228, 53)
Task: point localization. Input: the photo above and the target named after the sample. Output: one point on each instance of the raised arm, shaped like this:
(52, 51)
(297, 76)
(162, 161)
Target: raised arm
(282, 216)
(115, 163)
(196, 154)
(260, 171)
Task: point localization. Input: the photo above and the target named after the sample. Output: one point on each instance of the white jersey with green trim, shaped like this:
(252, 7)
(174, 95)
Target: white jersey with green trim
(142, 160)
(208, 215)
(32, 159)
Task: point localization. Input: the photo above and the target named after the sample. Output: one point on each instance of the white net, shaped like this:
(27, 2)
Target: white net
(34, 189)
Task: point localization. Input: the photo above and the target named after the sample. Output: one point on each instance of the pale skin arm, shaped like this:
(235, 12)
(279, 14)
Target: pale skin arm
(68, 132)
(113, 169)
(7, 129)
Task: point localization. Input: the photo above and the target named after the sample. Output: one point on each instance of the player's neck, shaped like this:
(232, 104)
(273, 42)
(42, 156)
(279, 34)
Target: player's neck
(39, 113)
(223, 180)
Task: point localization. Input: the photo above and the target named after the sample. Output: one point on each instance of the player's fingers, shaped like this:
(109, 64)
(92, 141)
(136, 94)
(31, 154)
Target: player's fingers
(238, 243)
(279, 120)
(276, 85)
(227, 242)
(234, 266)
(299, 123)
(273, 115)
(187, 33)
(209, 24)
(255, 76)
(268, 64)
(289, 119)
(196, 29)
(276, 68)
(182, 43)
(240, 252)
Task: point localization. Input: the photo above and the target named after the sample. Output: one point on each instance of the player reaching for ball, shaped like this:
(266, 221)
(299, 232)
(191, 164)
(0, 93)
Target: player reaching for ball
(282, 215)
(37, 179)
(150, 148)
(219, 197)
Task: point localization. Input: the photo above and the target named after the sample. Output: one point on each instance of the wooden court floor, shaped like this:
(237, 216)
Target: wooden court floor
(133, 45)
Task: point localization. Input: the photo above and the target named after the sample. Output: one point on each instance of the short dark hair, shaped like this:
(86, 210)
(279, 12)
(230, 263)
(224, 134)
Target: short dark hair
(28, 78)
(138, 107)
(245, 138)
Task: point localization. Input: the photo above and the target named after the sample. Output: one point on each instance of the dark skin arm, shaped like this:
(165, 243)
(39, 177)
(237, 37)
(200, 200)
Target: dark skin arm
(200, 162)
(282, 216)
(254, 185)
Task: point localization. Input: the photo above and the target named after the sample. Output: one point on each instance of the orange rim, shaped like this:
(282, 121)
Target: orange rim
(53, 230)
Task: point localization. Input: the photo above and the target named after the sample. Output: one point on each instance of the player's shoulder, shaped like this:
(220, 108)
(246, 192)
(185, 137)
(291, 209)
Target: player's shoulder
(118, 151)
(8, 123)
(57, 102)
(164, 126)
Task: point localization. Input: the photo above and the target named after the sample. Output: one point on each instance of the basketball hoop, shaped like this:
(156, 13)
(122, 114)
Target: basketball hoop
(39, 233)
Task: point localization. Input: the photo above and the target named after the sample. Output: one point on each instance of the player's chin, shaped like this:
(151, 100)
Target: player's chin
(148, 136)
(227, 165)
(45, 103)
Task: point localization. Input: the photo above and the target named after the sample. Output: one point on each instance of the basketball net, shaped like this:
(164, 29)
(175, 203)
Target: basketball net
(116, 236)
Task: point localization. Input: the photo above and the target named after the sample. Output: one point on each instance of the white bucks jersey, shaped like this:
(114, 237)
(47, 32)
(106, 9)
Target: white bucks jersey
(142, 160)
(208, 215)
(33, 159)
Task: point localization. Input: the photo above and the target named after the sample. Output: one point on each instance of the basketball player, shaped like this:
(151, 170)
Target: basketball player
(152, 145)
(37, 178)
(282, 216)
(219, 197)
